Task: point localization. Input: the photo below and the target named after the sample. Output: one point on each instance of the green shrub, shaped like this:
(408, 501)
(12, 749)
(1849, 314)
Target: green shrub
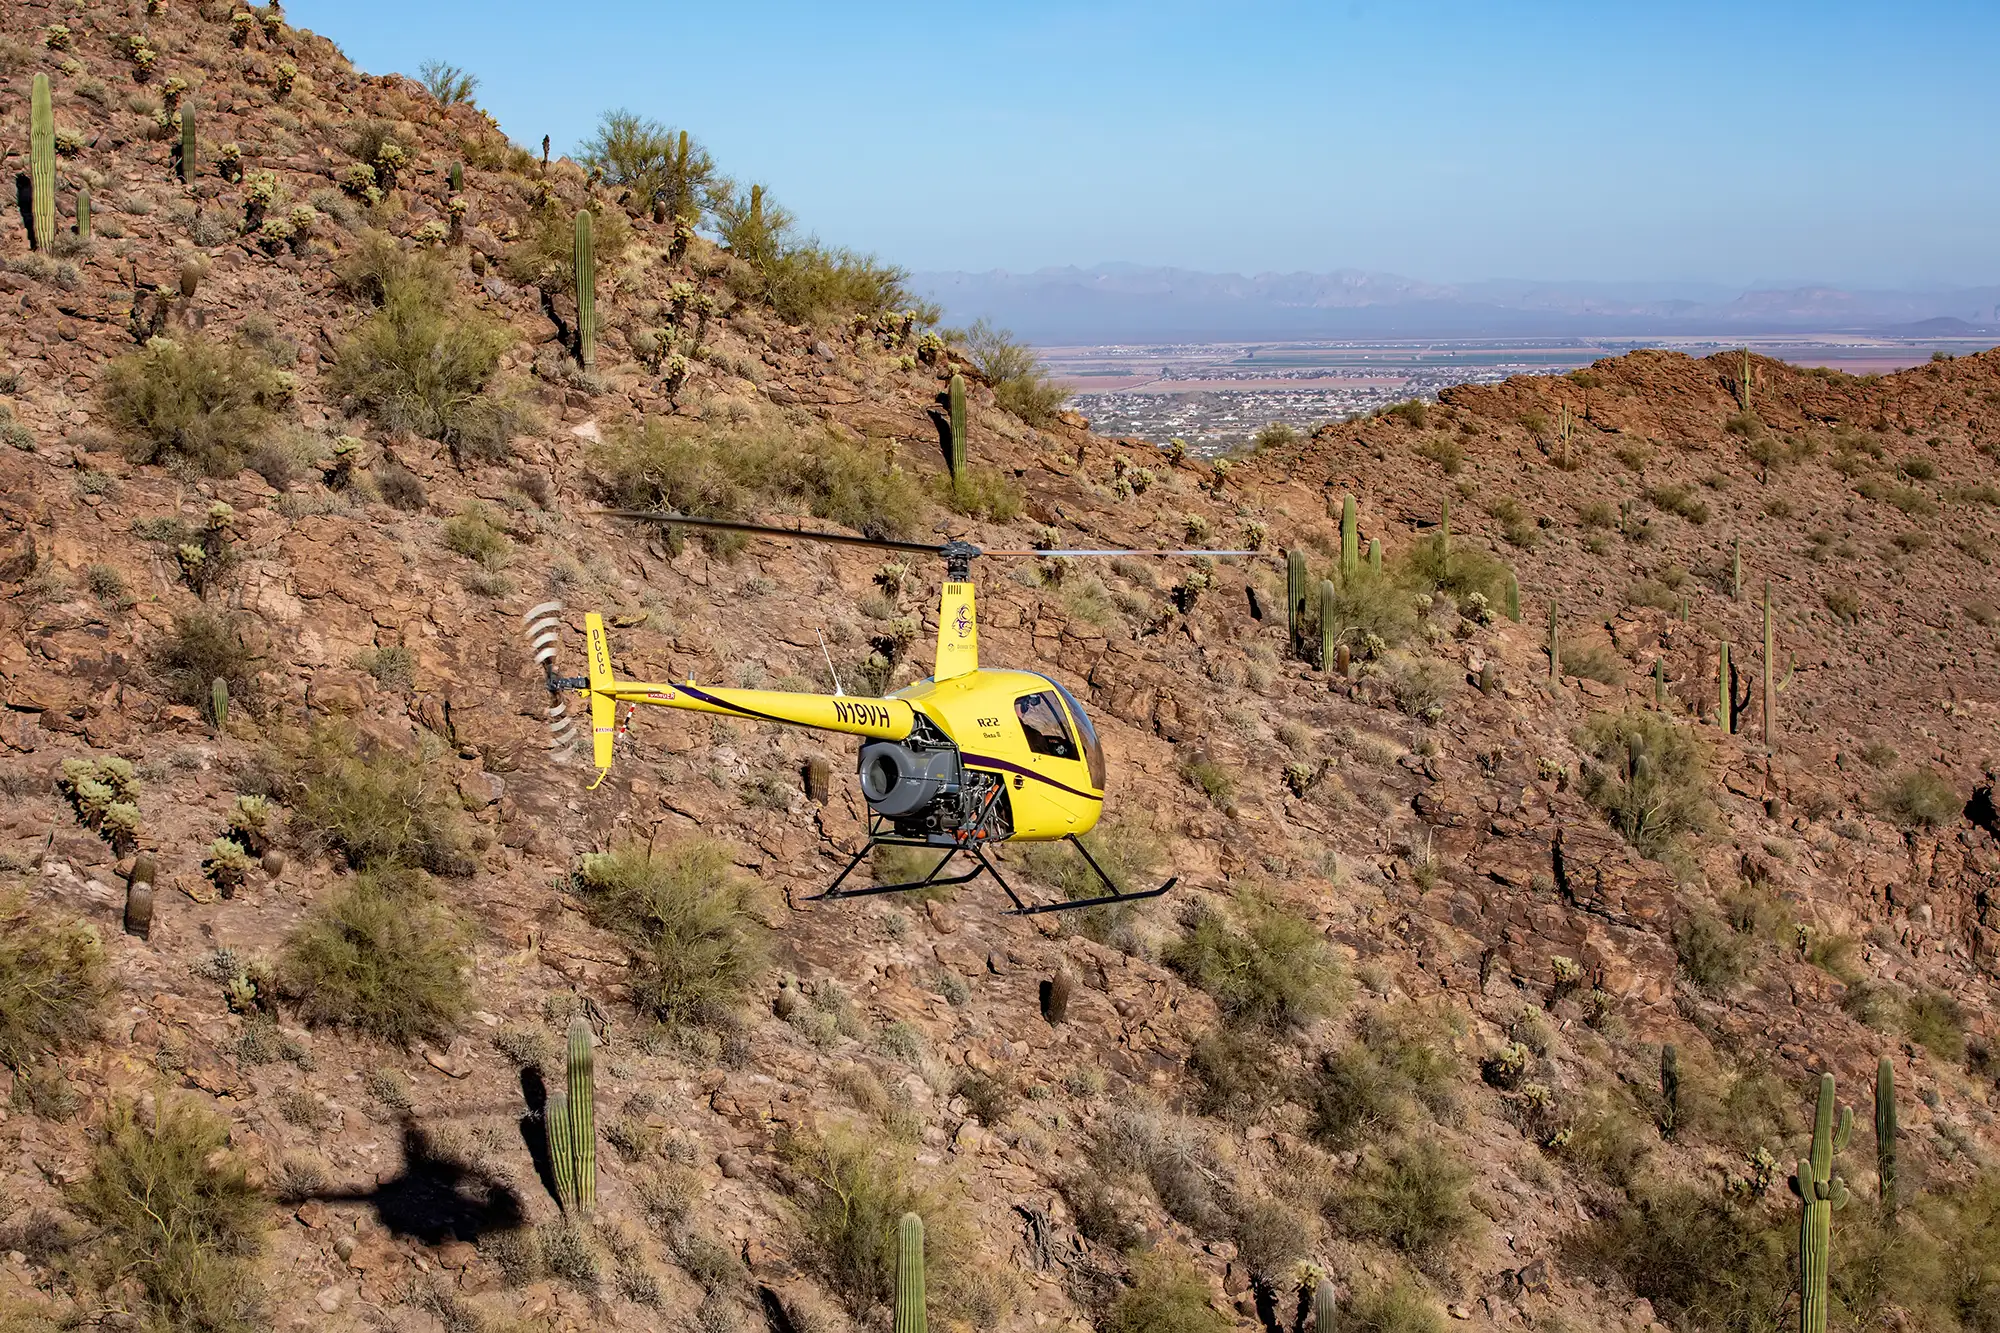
(1680, 500)
(475, 535)
(1422, 685)
(1933, 1020)
(178, 1215)
(1401, 1067)
(205, 647)
(1443, 450)
(1129, 852)
(1593, 661)
(1705, 1261)
(1648, 777)
(643, 156)
(380, 957)
(982, 492)
(1459, 570)
(661, 466)
(851, 1195)
(1909, 499)
(687, 915)
(377, 806)
(422, 361)
(1712, 956)
(1411, 1195)
(1920, 798)
(1413, 412)
(192, 399)
(800, 279)
(1021, 383)
(545, 255)
(1234, 1069)
(1167, 1295)
(1368, 605)
(52, 981)
(1262, 964)
(1397, 1306)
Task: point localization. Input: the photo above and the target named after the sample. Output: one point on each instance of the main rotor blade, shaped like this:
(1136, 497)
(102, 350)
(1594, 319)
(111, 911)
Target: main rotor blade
(771, 530)
(1133, 551)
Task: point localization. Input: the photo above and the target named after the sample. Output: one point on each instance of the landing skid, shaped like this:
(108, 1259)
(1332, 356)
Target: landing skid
(977, 851)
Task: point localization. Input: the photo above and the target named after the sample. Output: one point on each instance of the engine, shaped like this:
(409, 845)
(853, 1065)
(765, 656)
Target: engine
(923, 789)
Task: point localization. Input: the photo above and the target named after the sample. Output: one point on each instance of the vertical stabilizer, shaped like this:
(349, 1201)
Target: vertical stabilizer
(603, 708)
(958, 632)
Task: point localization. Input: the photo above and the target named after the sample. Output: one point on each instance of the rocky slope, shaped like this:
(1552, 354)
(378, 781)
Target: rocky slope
(1452, 860)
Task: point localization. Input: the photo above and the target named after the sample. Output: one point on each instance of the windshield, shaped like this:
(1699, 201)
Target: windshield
(1093, 753)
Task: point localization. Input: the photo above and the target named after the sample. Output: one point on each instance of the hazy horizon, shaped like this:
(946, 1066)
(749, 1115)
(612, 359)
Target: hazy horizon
(1451, 141)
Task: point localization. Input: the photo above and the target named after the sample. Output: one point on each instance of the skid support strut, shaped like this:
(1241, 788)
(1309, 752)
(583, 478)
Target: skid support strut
(977, 851)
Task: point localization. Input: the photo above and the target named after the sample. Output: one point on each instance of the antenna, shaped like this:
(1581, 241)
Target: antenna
(829, 664)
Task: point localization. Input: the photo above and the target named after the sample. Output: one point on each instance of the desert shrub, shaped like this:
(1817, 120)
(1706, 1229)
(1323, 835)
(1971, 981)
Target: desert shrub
(645, 157)
(52, 981)
(1844, 603)
(698, 945)
(851, 1196)
(1167, 1295)
(192, 399)
(1591, 660)
(1443, 450)
(379, 956)
(1712, 956)
(1648, 777)
(205, 647)
(1173, 1155)
(178, 1215)
(1890, 1268)
(475, 535)
(1909, 499)
(1397, 1306)
(545, 254)
(1680, 500)
(377, 806)
(1399, 1069)
(1413, 412)
(1706, 1261)
(1933, 1020)
(446, 82)
(1273, 435)
(1920, 798)
(1371, 605)
(1128, 851)
(423, 362)
(1411, 1195)
(1262, 964)
(1021, 384)
(664, 467)
(1421, 685)
(1233, 1070)
(1458, 569)
(799, 278)
(982, 492)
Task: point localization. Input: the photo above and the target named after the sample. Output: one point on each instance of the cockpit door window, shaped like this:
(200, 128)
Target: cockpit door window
(1041, 720)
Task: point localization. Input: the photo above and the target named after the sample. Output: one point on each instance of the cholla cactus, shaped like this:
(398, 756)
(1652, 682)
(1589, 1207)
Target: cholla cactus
(57, 37)
(1299, 776)
(121, 826)
(359, 180)
(171, 92)
(287, 76)
(1218, 475)
(930, 348)
(1477, 609)
(250, 824)
(1197, 528)
(273, 22)
(1255, 534)
(240, 26)
(229, 164)
(432, 233)
(142, 55)
(389, 159)
(1177, 450)
(675, 372)
(228, 865)
(94, 800)
(1505, 1068)
(259, 193)
(117, 773)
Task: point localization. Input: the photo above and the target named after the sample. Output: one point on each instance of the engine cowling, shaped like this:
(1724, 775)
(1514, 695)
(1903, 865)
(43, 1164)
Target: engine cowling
(902, 782)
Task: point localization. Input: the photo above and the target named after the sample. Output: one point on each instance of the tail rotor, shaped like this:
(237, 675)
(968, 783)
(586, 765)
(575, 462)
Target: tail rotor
(544, 628)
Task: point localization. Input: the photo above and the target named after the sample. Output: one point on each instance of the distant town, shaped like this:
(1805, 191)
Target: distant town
(1215, 396)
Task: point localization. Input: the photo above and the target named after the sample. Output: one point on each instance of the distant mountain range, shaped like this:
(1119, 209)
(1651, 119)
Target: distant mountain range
(1132, 303)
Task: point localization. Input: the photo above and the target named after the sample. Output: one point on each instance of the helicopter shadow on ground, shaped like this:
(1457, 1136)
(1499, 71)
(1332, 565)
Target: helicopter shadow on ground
(434, 1198)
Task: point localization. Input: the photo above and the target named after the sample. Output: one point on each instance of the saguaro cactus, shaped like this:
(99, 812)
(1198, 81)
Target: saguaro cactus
(586, 294)
(218, 701)
(1725, 716)
(562, 1148)
(1820, 1193)
(1375, 557)
(190, 149)
(1885, 1134)
(954, 445)
(1743, 382)
(1513, 597)
(1350, 538)
(583, 1113)
(1736, 571)
(1329, 628)
(1296, 583)
(1323, 1315)
(910, 1275)
(457, 177)
(83, 214)
(1773, 686)
(42, 161)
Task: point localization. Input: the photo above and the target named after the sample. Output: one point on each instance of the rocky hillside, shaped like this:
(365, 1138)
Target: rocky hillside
(303, 413)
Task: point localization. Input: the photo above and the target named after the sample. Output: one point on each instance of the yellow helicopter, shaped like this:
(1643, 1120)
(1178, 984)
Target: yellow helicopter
(967, 757)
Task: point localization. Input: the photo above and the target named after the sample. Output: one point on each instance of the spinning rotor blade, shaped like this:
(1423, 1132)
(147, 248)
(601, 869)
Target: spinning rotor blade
(544, 628)
(771, 530)
(1132, 551)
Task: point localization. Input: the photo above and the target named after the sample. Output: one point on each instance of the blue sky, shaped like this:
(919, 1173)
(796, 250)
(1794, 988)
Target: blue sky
(1734, 143)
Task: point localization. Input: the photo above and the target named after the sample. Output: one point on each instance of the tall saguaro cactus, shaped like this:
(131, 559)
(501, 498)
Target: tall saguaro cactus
(562, 1148)
(910, 1275)
(1350, 538)
(42, 161)
(1323, 1315)
(954, 445)
(1885, 1134)
(1329, 627)
(190, 146)
(1725, 714)
(1555, 645)
(583, 1113)
(83, 214)
(586, 293)
(1820, 1194)
(1773, 686)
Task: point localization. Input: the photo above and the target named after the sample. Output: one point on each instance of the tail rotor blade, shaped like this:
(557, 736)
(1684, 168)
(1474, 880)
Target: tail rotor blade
(1062, 551)
(544, 628)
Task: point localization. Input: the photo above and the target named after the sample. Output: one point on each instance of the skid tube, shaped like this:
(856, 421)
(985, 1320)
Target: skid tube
(977, 851)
